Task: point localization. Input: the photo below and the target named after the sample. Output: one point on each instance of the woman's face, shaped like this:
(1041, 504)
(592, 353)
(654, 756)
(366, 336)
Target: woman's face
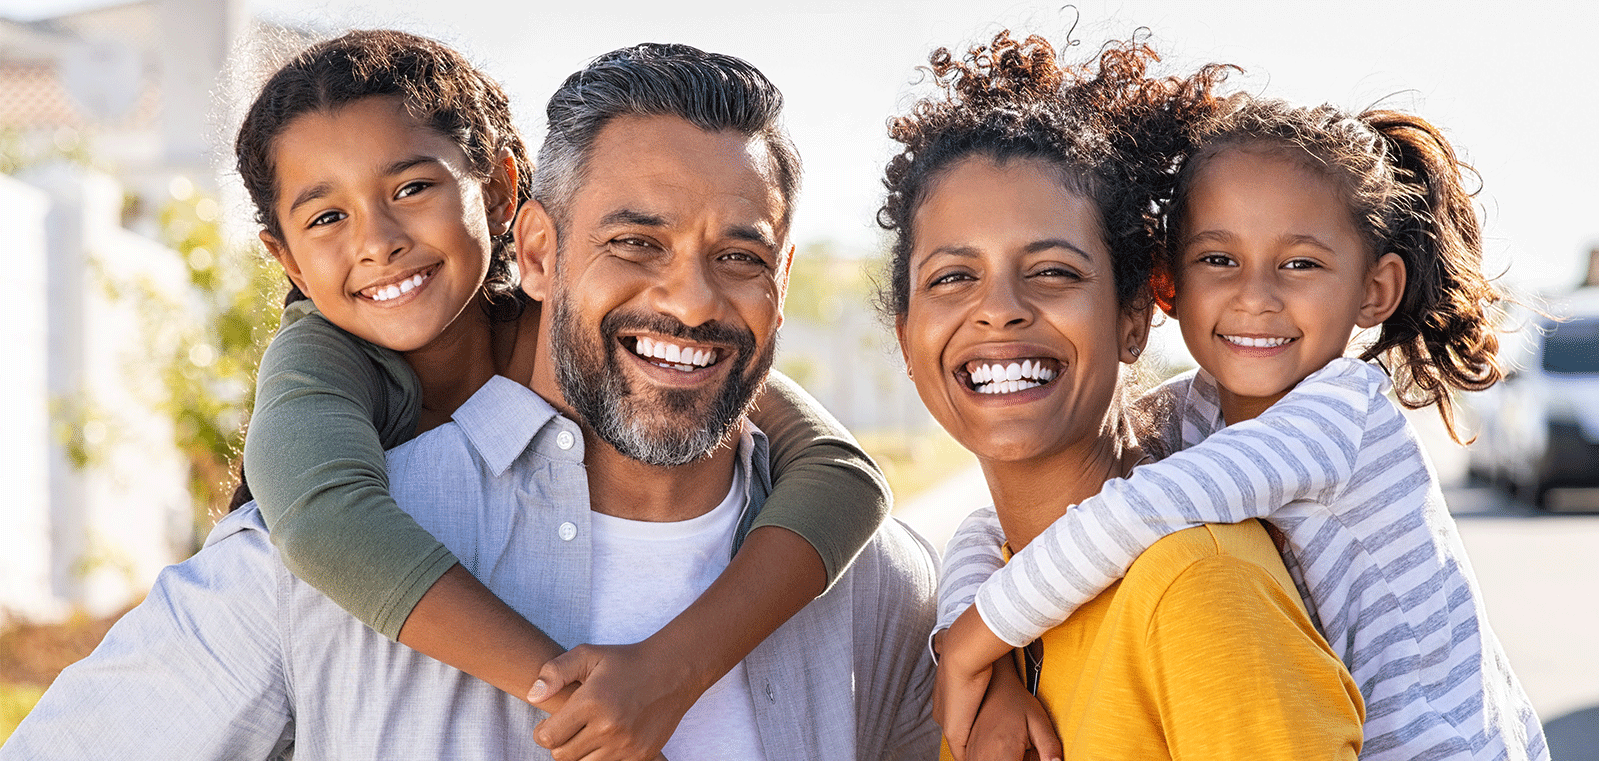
(1013, 333)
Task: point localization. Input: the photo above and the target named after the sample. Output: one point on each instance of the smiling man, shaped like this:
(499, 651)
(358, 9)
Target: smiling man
(597, 500)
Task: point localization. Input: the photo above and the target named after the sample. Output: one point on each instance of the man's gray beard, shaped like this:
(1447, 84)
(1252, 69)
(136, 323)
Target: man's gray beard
(595, 388)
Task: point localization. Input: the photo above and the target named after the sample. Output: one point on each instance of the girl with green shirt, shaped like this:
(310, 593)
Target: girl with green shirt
(386, 173)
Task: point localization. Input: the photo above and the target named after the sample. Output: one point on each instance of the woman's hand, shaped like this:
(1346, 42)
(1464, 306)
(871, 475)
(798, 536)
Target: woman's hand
(967, 654)
(1011, 724)
(626, 705)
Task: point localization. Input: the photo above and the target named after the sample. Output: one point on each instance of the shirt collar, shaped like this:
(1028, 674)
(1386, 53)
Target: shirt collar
(501, 419)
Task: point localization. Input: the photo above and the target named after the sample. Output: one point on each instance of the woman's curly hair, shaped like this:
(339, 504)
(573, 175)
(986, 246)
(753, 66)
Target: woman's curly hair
(1406, 192)
(1112, 130)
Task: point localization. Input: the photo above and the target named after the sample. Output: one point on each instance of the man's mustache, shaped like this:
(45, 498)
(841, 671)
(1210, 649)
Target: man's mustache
(720, 333)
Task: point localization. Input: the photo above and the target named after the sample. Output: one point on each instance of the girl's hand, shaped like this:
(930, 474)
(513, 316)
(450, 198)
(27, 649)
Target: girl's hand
(967, 654)
(626, 705)
(1011, 724)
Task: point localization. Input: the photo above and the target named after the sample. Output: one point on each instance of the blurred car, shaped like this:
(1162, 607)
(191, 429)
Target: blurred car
(1538, 428)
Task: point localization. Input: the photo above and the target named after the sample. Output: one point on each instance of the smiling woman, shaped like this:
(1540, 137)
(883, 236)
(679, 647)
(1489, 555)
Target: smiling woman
(1023, 246)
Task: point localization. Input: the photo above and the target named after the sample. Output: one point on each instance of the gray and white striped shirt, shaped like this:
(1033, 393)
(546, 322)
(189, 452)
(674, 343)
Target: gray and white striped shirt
(1340, 472)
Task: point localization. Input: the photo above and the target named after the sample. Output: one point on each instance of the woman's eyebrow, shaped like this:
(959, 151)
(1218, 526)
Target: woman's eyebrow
(1051, 243)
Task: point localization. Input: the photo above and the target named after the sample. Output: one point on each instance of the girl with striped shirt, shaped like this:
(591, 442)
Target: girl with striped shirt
(1290, 228)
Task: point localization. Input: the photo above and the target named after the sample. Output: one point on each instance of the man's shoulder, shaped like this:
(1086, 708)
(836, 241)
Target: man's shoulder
(897, 563)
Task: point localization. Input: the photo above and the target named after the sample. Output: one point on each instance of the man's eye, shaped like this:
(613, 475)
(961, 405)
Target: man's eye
(744, 258)
(326, 218)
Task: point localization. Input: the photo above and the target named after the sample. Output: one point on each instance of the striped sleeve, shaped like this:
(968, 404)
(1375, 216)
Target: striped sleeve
(1303, 447)
(971, 555)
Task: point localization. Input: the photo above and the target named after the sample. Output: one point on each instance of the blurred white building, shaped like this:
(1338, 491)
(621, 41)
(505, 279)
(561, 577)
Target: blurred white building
(97, 495)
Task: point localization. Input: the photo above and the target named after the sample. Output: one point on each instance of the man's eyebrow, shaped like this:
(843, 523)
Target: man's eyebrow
(632, 217)
(752, 234)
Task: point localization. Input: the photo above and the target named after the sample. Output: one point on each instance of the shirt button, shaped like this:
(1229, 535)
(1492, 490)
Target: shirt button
(565, 440)
(568, 530)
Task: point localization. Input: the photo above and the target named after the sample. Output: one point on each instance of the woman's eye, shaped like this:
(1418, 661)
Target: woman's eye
(412, 188)
(1058, 272)
(948, 278)
(326, 218)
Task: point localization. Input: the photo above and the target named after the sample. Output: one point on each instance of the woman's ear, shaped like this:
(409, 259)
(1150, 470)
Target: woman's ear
(285, 259)
(500, 193)
(535, 235)
(1386, 283)
(900, 336)
(1133, 332)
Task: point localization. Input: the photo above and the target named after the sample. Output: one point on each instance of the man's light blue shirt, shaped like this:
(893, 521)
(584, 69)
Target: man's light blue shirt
(232, 657)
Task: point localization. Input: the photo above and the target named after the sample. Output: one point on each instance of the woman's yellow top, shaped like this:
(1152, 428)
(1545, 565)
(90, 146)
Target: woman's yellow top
(1203, 651)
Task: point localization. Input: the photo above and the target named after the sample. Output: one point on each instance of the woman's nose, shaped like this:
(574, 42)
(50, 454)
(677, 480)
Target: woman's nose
(1001, 305)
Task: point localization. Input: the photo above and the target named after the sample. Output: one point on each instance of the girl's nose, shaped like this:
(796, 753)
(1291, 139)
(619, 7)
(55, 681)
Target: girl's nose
(384, 239)
(1258, 293)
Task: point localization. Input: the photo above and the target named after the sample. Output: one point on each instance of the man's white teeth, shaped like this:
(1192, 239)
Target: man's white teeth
(393, 290)
(997, 378)
(1256, 343)
(672, 355)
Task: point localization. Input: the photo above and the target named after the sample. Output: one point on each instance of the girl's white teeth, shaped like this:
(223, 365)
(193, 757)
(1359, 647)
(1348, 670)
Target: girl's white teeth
(386, 292)
(1256, 343)
(672, 355)
(996, 378)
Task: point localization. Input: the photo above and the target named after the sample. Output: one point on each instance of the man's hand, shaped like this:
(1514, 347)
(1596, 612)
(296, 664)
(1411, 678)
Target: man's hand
(967, 653)
(1011, 724)
(627, 703)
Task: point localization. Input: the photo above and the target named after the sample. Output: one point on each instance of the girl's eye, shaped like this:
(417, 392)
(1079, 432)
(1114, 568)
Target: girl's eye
(1215, 259)
(326, 218)
(1301, 264)
(412, 188)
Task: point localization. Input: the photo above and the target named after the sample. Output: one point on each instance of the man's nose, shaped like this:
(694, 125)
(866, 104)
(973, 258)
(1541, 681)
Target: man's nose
(688, 291)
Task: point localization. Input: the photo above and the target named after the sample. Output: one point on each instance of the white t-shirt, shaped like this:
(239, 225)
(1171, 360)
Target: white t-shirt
(645, 574)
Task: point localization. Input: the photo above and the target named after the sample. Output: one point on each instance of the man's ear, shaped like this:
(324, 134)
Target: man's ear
(285, 259)
(1386, 283)
(1134, 331)
(783, 280)
(535, 235)
(500, 193)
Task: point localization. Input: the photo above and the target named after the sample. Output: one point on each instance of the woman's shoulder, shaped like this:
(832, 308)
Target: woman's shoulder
(1207, 550)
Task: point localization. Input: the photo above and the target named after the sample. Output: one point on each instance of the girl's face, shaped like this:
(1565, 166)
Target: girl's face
(1273, 277)
(1013, 332)
(385, 227)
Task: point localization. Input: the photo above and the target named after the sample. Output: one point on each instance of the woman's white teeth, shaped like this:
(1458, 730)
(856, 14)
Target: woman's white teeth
(672, 355)
(1256, 343)
(393, 290)
(997, 378)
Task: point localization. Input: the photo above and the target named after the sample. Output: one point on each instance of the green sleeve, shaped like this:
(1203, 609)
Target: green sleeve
(824, 487)
(327, 406)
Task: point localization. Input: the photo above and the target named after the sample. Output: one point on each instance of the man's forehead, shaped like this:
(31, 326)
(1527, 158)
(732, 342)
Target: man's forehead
(655, 164)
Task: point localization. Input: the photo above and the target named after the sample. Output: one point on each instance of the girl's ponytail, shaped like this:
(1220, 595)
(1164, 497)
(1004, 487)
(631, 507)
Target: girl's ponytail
(1441, 336)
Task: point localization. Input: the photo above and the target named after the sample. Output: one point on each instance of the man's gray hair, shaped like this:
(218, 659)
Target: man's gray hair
(712, 91)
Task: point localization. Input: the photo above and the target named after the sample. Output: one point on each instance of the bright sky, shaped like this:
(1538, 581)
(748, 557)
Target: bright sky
(1517, 89)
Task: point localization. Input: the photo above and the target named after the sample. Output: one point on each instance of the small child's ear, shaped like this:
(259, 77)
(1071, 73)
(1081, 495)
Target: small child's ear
(285, 259)
(535, 235)
(1386, 284)
(1163, 287)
